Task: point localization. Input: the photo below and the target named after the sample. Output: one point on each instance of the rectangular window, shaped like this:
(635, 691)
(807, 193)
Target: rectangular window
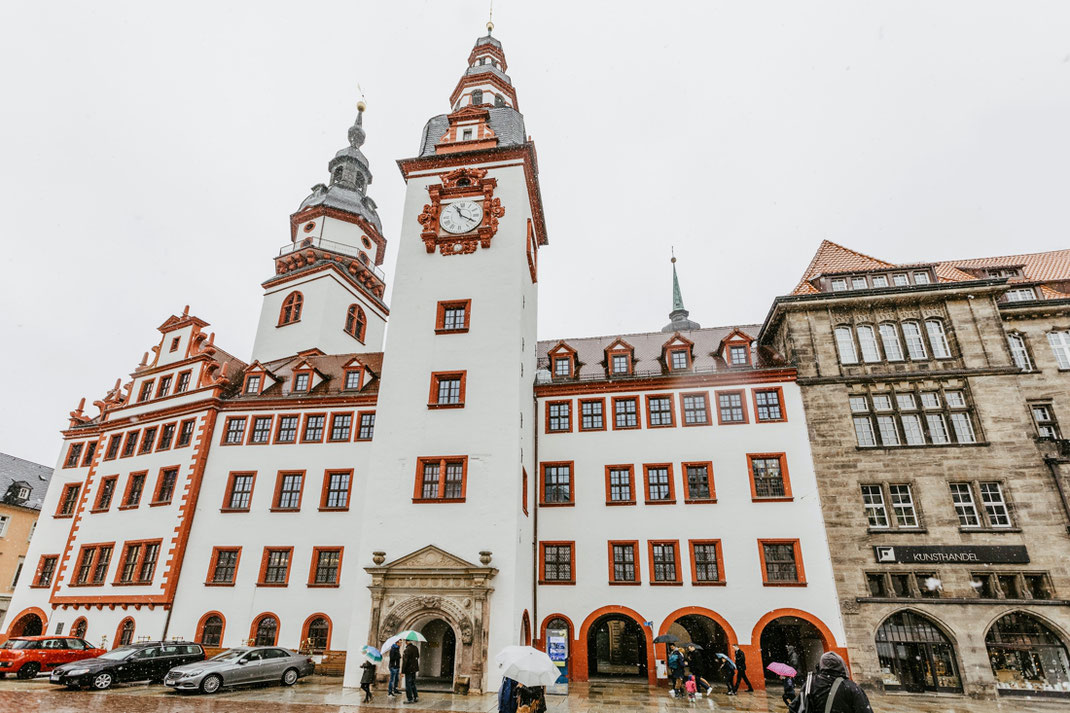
(781, 562)
(625, 413)
(620, 485)
(341, 425)
(275, 567)
(135, 485)
(562, 366)
(767, 406)
(73, 454)
(45, 569)
(313, 428)
(696, 409)
(921, 278)
(235, 431)
(659, 483)
(1044, 418)
(148, 440)
(326, 564)
(730, 407)
(664, 562)
(963, 427)
(353, 379)
(659, 411)
(893, 348)
(146, 391)
(698, 481)
(845, 344)
(678, 359)
(100, 567)
(877, 586)
(880, 280)
(622, 565)
(148, 562)
(165, 386)
(873, 500)
(557, 483)
(903, 505)
(619, 364)
(1060, 348)
(737, 356)
(867, 341)
(288, 489)
(912, 430)
(224, 566)
(239, 491)
(558, 416)
(858, 283)
(1019, 352)
(995, 506)
(167, 436)
(252, 384)
(706, 562)
(129, 567)
(915, 343)
(592, 415)
(937, 338)
(937, 428)
(864, 431)
(441, 479)
(889, 433)
(287, 430)
(367, 426)
(113, 447)
(261, 430)
(839, 284)
(68, 500)
(453, 316)
(557, 563)
(447, 390)
(769, 476)
(90, 451)
(336, 488)
(962, 498)
(165, 486)
(185, 433)
(106, 492)
(130, 444)
(183, 382)
(85, 564)
(1022, 294)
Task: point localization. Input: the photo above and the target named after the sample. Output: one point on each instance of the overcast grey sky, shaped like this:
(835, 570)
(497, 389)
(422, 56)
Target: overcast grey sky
(151, 154)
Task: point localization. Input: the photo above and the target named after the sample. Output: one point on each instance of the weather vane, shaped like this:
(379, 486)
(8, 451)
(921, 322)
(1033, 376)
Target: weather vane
(490, 20)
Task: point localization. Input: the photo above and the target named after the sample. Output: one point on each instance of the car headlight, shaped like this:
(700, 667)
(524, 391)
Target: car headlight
(191, 674)
(75, 671)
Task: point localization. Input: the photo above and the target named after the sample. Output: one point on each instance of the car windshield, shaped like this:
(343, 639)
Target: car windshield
(120, 653)
(21, 644)
(232, 655)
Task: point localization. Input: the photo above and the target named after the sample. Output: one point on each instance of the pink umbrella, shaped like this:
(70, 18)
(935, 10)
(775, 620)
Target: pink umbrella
(782, 669)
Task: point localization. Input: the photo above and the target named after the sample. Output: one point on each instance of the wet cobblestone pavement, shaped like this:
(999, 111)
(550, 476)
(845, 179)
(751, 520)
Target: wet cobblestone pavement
(328, 695)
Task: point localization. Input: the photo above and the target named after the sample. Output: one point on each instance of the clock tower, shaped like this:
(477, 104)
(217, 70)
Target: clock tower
(446, 542)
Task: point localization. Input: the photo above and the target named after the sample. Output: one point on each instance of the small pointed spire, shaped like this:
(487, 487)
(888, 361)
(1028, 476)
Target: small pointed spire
(677, 298)
(357, 134)
(680, 322)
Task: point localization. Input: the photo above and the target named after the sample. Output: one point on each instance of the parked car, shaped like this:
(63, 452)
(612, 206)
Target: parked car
(236, 667)
(143, 661)
(27, 656)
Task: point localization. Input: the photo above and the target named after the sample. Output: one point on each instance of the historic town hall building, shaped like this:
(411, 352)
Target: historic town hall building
(458, 476)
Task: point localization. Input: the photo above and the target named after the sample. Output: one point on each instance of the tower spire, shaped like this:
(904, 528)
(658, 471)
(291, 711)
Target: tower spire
(678, 315)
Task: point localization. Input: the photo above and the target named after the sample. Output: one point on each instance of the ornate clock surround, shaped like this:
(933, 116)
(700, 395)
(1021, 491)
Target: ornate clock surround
(461, 183)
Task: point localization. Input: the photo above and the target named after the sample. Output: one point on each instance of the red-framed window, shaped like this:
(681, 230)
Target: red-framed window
(124, 633)
(265, 630)
(90, 451)
(105, 493)
(769, 476)
(731, 407)
(453, 316)
(165, 485)
(234, 431)
(130, 444)
(354, 378)
(138, 562)
(185, 433)
(135, 487)
(356, 322)
(524, 489)
(737, 354)
(624, 562)
(260, 433)
(557, 562)
(46, 569)
(698, 482)
(447, 389)
(289, 489)
(562, 366)
(620, 484)
(326, 567)
(291, 309)
(625, 412)
(114, 442)
(619, 362)
(559, 416)
(658, 484)
(174, 344)
(341, 427)
(366, 426)
(74, 454)
(664, 562)
(146, 390)
(167, 437)
(592, 415)
(337, 487)
(660, 411)
(183, 381)
(223, 567)
(148, 440)
(769, 405)
(93, 561)
(275, 567)
(441, 479)
(254, 384)
(313, 429)
(68, 500)
(164, 387)
(557, 484)
(678, 358)
(302, 381)
(239, 493)
(286, 428)
(782, 563)
(707, 563)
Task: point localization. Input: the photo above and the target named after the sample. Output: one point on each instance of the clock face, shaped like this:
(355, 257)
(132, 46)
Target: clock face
(460, 216)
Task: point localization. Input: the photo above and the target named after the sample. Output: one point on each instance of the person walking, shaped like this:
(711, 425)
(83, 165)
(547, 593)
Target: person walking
(507, 694)
(831, 690)
(367, 679)
(675, 663)
(741, 670)
(394, 664)
(700, 667)
(410, 666)
(729, 669)
(789, 690)
(531, 697)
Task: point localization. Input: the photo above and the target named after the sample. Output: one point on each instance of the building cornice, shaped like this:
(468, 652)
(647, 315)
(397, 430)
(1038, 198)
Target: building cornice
(671, 381)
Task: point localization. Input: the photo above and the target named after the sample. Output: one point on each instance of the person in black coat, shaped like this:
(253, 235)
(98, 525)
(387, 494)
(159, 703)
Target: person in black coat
(700, 669)
(532, 696)
(367, 679)
(410, 666)
(831, 680)
(741, 670)
(394, 664)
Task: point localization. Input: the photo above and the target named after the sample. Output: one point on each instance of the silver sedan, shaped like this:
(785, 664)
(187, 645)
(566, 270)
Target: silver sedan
(237, 667)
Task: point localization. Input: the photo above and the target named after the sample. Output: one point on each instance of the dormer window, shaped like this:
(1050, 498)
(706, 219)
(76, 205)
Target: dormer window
(880, 280)
(466, 135)
(23, 493)
(737, 355)
(1022, 294)
(291, 309)
(839, 285)
(563, 366)
(678, 359)
(252, 384)
(619, 364)
(921, 278)
(301, 382)
(900, 279)
(353, 379)
(1003, 272)
(858, 283)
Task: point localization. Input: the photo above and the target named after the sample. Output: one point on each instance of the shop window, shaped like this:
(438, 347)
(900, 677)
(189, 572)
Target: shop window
(1027, 656)
(914, 655)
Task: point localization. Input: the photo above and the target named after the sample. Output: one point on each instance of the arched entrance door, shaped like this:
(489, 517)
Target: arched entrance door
(791, 640)
(915, 655)
(1027, 656)
(616, 646)
(28, 624)
(438, 657)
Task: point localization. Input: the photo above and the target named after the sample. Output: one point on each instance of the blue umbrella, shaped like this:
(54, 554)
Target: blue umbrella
(722, 656)
(374, 655)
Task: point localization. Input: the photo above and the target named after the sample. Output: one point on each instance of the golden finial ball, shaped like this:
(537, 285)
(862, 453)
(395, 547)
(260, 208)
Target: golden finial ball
(361, 106)
(674, 261)
(490, 26)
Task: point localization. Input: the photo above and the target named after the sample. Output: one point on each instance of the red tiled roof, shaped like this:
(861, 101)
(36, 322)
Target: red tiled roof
(831, 257)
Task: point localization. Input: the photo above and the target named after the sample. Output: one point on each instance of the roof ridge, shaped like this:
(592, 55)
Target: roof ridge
(636, 334)
(1004, 257)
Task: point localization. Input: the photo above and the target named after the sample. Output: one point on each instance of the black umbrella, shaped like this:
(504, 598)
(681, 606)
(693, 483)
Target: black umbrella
(666, 639)
(692, 645)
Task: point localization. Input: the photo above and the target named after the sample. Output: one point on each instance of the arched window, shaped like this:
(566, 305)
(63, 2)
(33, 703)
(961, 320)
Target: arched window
(499, 100)
(211, 633)
(291, 308)
(846, 344)
(477, 96)
(1027, 656)
(79, 628)
(937, 338)
(893, 348)
(318, 632)
(356, 322)
(125, 634)
(266, 630)
(1019, 351)
(915, 655)
(915, 344)
(868, 341)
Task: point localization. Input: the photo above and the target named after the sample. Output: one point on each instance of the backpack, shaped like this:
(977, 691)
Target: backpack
(675, 659)
(804, 699)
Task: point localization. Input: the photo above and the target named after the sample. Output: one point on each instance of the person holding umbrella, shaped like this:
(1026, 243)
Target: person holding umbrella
(394, 664)
(787, 675)
(729, 672)
(372, 656)
(410, 666)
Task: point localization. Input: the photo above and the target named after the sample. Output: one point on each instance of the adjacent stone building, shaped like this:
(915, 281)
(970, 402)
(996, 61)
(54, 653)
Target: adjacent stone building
(933, 394)
(23, 485)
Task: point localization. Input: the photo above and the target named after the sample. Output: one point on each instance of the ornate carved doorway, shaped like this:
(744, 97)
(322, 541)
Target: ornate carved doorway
(430, 589)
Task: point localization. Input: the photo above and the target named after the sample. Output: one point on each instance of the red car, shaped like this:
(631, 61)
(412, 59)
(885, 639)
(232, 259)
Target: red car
(27, 656)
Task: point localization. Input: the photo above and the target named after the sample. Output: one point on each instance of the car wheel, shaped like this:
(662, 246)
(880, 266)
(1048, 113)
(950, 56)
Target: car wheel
(289, 678)
(29, 670)
(211, 684)
(102, 681)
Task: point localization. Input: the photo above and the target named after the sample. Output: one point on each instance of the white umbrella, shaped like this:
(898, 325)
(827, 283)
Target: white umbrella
(527, 665)
(407, 635)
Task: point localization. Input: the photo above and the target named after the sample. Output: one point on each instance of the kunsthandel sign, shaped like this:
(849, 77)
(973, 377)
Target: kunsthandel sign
(951, 554)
